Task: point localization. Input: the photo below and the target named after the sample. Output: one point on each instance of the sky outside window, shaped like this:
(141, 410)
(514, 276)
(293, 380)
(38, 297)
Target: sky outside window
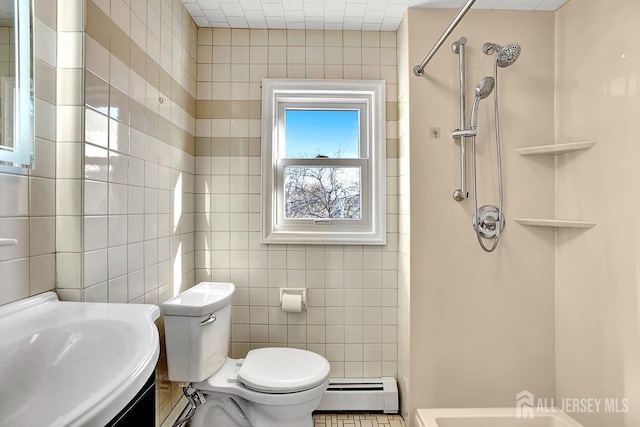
(331, 133)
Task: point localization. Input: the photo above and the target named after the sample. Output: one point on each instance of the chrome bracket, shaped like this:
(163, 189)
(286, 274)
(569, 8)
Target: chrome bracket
(463, 133)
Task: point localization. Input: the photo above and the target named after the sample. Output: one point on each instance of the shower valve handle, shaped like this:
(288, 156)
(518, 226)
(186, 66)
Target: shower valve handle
(490, 223)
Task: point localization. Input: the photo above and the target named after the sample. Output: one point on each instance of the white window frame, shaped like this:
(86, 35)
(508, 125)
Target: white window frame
(367, 96)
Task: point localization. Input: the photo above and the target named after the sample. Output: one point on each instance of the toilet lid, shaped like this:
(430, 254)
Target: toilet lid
(283, 370)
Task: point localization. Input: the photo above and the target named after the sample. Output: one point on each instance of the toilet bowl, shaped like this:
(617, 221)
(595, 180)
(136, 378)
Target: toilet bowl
(270, 387)
(232, 403)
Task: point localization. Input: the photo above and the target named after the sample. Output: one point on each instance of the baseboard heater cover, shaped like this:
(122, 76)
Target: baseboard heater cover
(361, 394)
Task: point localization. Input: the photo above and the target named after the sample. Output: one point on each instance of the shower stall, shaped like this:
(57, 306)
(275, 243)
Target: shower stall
(474, 316)
(543, 312)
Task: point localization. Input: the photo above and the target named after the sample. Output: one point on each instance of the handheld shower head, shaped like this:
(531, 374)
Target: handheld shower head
(483, 89)
(506, 55)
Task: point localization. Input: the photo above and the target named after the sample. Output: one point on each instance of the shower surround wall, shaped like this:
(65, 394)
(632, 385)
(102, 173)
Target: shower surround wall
(125, 170)
(27, 197)
(597, 282)
(352, 309)
(482, 325)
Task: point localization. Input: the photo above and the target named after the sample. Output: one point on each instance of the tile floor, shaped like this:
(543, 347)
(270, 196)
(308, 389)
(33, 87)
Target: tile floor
(357, 419)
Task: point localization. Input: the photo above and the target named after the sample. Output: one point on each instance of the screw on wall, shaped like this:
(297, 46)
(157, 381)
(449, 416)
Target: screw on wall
(434, 132)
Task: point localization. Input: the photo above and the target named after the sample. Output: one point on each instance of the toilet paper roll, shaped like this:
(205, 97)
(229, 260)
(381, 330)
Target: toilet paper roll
(291, 303)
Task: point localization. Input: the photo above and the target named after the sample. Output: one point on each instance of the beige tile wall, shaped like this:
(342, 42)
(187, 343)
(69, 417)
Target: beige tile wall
(27, 197)
(352, 314)
(404, 232)
(126, 141)
(69, 173)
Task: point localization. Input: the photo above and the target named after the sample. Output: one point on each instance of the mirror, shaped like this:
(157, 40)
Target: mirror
(16, 83)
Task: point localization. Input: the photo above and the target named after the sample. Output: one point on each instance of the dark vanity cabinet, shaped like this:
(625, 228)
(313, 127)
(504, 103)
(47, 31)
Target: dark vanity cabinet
(141, 411)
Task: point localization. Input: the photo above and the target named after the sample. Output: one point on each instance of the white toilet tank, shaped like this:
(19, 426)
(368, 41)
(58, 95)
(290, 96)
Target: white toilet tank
(197, 330)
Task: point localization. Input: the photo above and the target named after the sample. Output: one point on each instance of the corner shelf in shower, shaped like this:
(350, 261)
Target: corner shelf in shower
(554, 222)
(555, 149)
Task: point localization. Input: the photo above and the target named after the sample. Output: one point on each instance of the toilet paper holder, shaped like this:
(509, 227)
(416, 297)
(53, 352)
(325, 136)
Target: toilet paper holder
(295, 291)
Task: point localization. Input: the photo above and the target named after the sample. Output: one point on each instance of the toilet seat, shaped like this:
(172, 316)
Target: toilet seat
(283, 370)
(221, 382)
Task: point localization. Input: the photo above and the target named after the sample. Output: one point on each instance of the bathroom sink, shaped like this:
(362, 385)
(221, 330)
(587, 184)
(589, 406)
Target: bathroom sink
(72, 364)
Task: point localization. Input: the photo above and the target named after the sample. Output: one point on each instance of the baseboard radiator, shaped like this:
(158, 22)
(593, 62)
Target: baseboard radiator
(361, 394)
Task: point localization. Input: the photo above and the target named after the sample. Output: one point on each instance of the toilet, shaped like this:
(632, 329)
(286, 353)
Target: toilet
(270, 387)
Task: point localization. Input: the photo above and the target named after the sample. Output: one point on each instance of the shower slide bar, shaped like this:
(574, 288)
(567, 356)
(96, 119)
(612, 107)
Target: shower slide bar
(461, 193)
(418, 70)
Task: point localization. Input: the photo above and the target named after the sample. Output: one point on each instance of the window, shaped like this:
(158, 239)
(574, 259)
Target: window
(323, 161)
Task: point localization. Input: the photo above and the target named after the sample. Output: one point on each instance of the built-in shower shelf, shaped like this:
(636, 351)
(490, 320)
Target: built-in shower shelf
(555, 149)
(554, 222)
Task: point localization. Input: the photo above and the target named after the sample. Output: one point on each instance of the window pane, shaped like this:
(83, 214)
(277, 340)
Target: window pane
(329, 133)
(321, 192)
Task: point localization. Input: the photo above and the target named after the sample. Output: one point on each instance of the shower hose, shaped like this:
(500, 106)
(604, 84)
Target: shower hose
(499, 219)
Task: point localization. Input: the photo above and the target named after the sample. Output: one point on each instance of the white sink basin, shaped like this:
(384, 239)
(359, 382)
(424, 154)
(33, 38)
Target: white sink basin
(72, 364)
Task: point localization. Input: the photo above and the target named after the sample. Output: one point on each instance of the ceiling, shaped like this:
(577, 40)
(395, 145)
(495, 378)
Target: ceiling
(366, 15)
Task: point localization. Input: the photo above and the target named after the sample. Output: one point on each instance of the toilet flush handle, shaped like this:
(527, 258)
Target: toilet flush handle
(210, 319)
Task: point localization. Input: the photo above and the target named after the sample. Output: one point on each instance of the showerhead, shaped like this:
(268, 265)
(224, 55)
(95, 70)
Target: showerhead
(506, 55)
(484, 89)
